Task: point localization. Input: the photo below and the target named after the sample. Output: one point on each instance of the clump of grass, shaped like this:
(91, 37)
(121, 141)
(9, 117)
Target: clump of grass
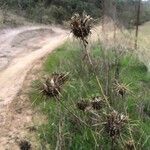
(144, 109)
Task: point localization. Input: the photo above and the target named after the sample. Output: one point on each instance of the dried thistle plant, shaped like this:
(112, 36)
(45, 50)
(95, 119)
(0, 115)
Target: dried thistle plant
(129, 145)
(81, 26)
(120, 88)
(96, 104)
(114, 124)
(83, 105)
(52, 85)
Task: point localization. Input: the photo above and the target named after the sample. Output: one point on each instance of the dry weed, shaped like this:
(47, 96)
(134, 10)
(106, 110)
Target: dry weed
(120, 88)
(52, 85)
(81, 26)
(114, 124)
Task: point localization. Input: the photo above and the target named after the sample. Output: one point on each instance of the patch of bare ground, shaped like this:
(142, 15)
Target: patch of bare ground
(21, 119)
(18, 120)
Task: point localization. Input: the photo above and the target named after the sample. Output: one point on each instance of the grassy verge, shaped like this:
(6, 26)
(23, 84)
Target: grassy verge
(72, 129)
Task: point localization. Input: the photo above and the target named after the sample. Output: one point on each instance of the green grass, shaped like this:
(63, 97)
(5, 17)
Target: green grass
(63, 126)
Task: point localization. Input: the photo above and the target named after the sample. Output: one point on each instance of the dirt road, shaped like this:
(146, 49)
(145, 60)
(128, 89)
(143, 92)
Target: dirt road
(19, 49)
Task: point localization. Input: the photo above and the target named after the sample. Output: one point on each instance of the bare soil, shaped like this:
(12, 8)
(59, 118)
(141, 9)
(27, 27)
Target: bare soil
(21, 53)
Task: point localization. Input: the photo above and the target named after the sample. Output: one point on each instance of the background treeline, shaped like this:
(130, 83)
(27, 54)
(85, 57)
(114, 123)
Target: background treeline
(57, 11)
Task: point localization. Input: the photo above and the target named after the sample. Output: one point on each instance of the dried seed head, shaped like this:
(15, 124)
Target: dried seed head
(52, 85)
(97, 103)
(114, 124)
(82, 105)
(121, 89)
(81, 26)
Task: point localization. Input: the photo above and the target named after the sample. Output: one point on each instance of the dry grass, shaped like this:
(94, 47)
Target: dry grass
(123, 39)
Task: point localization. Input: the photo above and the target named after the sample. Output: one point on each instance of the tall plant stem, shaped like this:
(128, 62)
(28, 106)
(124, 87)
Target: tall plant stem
(99, 84)
(137, 24)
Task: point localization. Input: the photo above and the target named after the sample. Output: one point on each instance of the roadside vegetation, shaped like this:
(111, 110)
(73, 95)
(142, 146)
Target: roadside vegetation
(93, 100)
(95, 96)
(56, 11)
(63, 126)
